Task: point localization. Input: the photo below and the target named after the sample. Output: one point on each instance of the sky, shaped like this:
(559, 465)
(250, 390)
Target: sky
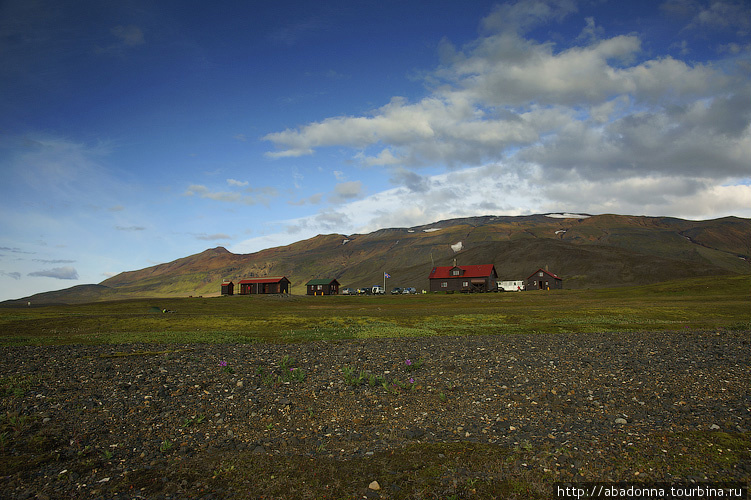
(134, 133)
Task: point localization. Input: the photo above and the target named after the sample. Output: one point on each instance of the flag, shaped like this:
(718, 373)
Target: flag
(386, 275)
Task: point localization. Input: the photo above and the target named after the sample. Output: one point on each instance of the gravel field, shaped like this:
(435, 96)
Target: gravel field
(82, 421)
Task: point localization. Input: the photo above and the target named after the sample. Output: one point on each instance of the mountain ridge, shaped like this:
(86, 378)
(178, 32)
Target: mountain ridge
(587, 251)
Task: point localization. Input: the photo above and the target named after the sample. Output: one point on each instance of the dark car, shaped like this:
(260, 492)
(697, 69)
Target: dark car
(396, 290)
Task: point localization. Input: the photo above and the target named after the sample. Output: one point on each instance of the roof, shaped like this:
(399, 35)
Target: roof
(546, 272)
(480, 271)
(321, 281)
(268, 279)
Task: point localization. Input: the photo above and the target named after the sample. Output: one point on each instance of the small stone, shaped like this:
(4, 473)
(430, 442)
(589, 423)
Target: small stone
(621, 421)
(239, 383)
(374, 486)
(714, 427)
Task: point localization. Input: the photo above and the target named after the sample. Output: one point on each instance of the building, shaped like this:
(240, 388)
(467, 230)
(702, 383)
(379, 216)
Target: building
(267, 285)
(228, 288)
(542, 279)
(481, 278)
(323, 287)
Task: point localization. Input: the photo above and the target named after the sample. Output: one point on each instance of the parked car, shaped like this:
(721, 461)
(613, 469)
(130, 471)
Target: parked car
(378, 290)
(409, 290)
(347, 291)
(396, 290)
(364, 291)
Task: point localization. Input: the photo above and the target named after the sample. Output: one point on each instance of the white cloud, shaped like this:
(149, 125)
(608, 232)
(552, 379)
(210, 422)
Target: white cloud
(61, 273)
(213, 237)
(522, 15)
(345, 191)
(723, 15)
(247, 196)
(513, 189)
(599, 126)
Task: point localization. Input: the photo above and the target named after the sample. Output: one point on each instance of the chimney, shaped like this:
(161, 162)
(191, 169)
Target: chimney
(454, 262)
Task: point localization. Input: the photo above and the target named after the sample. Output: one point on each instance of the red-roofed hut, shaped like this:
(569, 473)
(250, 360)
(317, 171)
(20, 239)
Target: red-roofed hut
(480, 278)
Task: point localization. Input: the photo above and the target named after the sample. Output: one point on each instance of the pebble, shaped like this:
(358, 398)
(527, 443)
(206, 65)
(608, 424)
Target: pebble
(374, 486)
(597, 380)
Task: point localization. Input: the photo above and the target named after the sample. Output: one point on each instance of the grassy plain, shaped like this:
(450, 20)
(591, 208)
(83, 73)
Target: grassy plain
(703, 303)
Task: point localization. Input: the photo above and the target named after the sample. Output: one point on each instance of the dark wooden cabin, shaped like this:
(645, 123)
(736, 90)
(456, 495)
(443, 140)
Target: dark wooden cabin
(479, 278)
(228, 288)
(543, 279)
(324, 286)
(267, 285)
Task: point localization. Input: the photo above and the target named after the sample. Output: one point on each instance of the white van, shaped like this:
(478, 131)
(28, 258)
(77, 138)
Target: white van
(378, 290)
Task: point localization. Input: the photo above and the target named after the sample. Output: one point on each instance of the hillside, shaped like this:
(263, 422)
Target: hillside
(586, 251)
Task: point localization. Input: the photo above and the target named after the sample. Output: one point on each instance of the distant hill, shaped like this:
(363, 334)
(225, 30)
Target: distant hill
(586, 251)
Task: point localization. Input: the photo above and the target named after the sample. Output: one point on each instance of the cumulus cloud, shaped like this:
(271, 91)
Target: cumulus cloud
(61, 273)
(345, 191)
(546, 119)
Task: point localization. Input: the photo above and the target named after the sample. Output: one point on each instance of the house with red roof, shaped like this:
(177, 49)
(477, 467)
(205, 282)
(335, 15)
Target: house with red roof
(266, 285)
(542, 279)
(478, 278)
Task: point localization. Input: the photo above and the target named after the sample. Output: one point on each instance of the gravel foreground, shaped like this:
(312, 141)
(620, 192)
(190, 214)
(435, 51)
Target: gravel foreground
(78, 421)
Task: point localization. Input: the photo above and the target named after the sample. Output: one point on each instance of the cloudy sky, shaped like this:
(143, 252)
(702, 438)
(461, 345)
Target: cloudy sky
(137, 132)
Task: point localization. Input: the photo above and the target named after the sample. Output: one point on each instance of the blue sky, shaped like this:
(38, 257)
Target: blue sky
(135, 133)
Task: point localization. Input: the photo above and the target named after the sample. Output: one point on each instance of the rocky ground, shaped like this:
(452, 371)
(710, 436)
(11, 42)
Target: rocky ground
(78, 421)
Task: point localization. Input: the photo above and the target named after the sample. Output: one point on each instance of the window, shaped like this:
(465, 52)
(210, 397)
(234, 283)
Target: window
(320, 287)
(540, 274)
(465, 284)
(444, 284)
(455, 272)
